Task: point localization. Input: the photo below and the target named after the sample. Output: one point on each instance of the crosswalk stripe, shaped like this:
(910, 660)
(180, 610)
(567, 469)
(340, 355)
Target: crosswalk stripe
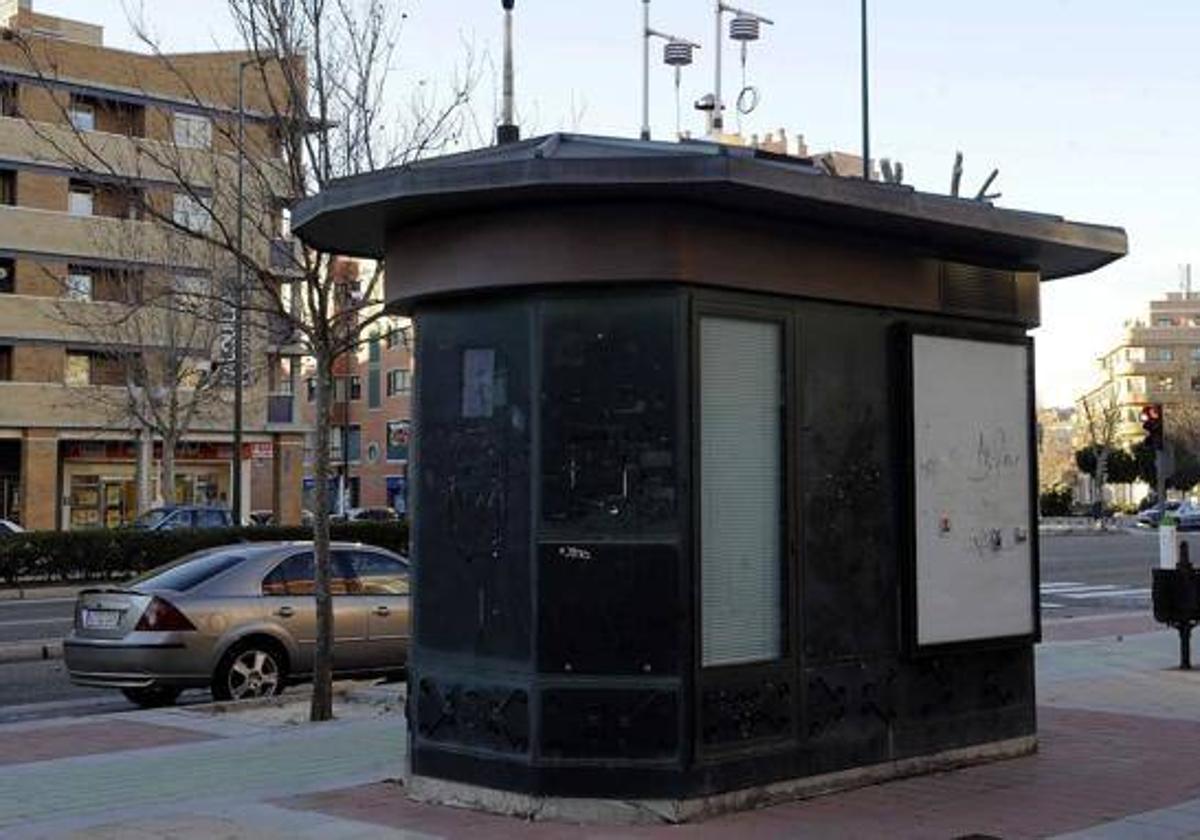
(1107, 587)
(1118, 593)
(1061, 584)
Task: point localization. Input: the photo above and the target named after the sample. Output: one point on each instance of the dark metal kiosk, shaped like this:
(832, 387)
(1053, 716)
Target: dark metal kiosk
(723, 482)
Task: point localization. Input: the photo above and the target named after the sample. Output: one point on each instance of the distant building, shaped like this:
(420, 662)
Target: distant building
(371, 413)
(72, 241)
(1156, 360)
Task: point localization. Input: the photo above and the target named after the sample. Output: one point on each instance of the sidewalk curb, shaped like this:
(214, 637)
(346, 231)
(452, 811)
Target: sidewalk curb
(13, 652)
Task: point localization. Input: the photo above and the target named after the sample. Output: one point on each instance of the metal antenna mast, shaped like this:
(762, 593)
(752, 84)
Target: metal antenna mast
(677, 53)
(507, 131)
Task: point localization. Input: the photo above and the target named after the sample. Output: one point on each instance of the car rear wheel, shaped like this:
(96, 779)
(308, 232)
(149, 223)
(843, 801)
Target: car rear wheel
(152, 697)
(249, 670)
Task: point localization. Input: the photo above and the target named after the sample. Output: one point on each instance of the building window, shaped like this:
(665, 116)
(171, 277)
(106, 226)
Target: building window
(283, 375)
(373, 398)
(79, 284)
(347, 388)
(1165, 383)
(311, 388)
(353, 442)
(398, 337)
(8, 276)
(193, 214)
(82, 114)
(8, 99)
(193, 131)
(1164, 322)
(5, 364)
(8, 187)
(397, 440)
(79, 369)
(399, 381)
(81, 200)
(1164, 354)
(741, 485)
(1196, 354)
(373, 350)
(1195, 384)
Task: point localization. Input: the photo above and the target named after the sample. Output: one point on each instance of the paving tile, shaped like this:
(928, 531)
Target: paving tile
(29, 745)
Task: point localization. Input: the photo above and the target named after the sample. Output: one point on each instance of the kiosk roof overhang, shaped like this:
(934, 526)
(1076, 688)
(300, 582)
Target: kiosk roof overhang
(354, 216)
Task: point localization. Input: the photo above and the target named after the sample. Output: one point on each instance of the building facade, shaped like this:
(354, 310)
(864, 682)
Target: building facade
(371, 412)
(76, 242)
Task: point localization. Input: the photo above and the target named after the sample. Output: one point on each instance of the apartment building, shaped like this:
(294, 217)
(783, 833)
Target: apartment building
(372, 414)
(1156, 360)
(72, 241)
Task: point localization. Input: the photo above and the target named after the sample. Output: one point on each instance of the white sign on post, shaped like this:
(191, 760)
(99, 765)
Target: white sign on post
(972, 511)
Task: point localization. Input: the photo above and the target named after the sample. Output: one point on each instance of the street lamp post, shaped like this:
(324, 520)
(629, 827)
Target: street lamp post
(239, 362)
(866, 100)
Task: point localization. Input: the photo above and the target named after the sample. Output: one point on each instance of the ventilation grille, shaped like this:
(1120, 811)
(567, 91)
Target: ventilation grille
(972, 290)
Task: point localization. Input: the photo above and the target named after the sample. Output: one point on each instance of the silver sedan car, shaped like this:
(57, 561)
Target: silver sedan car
(240, 619)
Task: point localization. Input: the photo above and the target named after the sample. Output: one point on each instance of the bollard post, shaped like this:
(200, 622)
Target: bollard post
(1186, 625)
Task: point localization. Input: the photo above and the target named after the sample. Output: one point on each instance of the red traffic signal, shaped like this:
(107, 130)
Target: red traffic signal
(1152, 422)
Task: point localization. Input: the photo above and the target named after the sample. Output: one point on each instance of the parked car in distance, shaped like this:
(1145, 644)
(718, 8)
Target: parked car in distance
(372, 514)
(1150, 516)
(8, 528)
(240, 620)
(173, 517)
(262, 517)
(1187, 517)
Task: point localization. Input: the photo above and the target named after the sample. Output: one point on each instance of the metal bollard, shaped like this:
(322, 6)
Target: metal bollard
(1177, 602)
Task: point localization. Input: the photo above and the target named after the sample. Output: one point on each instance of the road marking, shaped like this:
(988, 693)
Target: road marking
(1119, 593)
(19, 623)
(1060, 584)
(1103, 587)
(1049, 606)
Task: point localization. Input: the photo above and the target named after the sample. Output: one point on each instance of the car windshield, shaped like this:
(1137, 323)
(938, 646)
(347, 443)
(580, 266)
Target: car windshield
(188, 572)
(152, 518)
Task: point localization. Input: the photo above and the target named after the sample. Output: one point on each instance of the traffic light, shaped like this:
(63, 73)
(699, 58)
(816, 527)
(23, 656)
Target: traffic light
(1152, 422)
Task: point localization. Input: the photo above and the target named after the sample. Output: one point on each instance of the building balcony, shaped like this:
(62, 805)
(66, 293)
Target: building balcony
(1141, 336)
(1149, 367)
(98, 238)
(60, 146)
(90, 408)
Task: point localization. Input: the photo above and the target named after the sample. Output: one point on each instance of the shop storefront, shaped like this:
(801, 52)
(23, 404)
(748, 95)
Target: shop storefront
(100, 484)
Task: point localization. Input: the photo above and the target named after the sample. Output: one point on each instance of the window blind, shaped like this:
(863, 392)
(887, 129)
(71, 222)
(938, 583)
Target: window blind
(741, 488)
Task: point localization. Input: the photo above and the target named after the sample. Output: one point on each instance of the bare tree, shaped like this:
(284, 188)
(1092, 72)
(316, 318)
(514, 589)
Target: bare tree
(315, 109)
(1101, 416)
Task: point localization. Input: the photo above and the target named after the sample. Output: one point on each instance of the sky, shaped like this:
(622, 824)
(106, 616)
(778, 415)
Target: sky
(1087, 107)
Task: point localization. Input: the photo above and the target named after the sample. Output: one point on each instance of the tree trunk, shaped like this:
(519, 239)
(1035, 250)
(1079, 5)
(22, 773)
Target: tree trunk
(145, 466)
(322, 697)
(167, 470)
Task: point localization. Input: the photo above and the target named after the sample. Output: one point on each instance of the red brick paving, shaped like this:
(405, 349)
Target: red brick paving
(44, 744)
(1092, 767)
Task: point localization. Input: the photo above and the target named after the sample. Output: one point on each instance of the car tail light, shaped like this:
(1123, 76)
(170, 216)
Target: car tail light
(161, 616)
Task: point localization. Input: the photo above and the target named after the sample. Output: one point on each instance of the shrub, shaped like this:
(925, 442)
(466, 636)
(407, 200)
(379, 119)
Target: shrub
(77, 556)
(1056, 501)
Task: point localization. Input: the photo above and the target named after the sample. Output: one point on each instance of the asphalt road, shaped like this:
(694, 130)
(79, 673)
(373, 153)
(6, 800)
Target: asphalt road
(25, 620)
(1081, 575)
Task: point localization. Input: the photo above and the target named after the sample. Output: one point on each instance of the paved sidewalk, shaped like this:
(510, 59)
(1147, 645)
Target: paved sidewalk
(1118, 727)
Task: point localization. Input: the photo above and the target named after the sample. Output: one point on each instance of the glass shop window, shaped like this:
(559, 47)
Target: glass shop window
(609, 449)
